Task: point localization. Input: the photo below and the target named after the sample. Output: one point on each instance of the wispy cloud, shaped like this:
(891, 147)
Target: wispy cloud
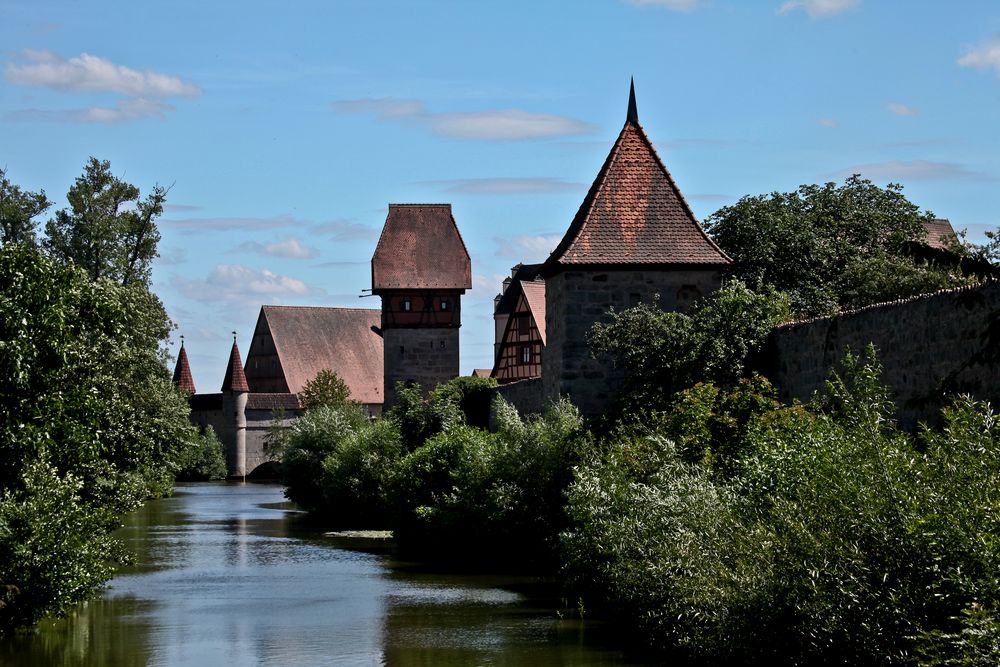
(180, 208)
(984, 56)
(504, 186)
(289, 248)
(230, 224)
(232, 282)
(124, 111)
(93, 73)
(901, 109)
(913, 170)
(527, 248)
(344, 230)
(828, 122)
(675, 5)
(172, 256)
(818, 8)
(492, 125)
(143, 91)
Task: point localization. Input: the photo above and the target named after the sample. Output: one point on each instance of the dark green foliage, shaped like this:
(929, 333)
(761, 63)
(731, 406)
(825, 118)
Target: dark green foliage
(18, 210)
(829, 537)
(495, 496)
(203, 460)
(472, 395)
(665, 352)
(325, 389)
(108, 230)
(463, 400)
(830, 246)
(88, 420)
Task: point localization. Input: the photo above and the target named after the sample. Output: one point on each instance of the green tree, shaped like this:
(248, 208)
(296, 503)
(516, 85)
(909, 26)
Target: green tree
(665, 352)
(108, 230)
(830, 246)
(18, 210)
(325, 389)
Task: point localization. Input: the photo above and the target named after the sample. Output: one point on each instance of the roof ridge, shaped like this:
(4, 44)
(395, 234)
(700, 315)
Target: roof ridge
(290, 307)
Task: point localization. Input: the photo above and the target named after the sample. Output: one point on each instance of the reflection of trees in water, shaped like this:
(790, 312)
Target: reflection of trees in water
(99, 633)
(466, 626)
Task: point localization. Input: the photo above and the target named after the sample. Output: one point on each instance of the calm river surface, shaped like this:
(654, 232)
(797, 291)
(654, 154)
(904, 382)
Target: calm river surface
(227, 575)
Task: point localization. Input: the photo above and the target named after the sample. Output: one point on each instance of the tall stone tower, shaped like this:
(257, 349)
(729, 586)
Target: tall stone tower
(235, 392)
(634, 239)
(420, 269)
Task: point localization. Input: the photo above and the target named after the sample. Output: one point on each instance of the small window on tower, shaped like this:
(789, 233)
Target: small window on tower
(525, 354)
(407, 305)
(444, 304)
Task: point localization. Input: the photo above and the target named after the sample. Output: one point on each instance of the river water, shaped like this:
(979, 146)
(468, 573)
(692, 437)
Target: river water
(228, 574)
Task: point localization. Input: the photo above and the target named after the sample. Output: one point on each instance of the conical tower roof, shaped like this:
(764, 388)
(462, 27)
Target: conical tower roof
(235, 380)
(183, 379)
(634, 213)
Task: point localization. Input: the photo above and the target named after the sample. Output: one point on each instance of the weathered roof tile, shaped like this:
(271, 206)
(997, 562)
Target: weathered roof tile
(421, 248)
(183, 379)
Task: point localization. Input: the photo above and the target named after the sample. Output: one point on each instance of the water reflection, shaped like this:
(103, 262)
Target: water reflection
(227, 575)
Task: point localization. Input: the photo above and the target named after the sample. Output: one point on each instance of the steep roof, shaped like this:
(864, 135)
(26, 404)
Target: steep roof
(940, 233)
(634, 213)
(421, 248)
(534, 296)
(481, 372)
(508, 299)
(308, 340)
(236, 379)
(183, 379)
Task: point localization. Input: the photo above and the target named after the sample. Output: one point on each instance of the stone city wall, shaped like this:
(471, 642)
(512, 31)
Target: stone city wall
(929, 346)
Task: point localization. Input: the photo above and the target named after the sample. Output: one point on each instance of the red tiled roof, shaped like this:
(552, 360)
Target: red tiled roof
(508, 299)
(273, 402)
(183, 379)
(534, 295)
(634, 213)
(235, 379)
(940, 234)
(481, 372)
(421, 248)
(308, 340)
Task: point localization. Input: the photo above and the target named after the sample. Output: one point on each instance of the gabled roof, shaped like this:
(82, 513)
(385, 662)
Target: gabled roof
(183, 379)
(235, 380)
(421, 248)
(534, 297)
(481, 372)
(508, 299)
(940, 233)
(308, 340)
(634, 213)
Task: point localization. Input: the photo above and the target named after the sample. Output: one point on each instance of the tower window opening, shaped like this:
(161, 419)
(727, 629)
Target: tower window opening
(402, 350)
(444, 304)
(407, 305)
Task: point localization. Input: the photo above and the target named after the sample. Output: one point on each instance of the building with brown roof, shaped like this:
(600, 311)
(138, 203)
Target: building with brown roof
(420, 270)
(522, 341)
(634, 239)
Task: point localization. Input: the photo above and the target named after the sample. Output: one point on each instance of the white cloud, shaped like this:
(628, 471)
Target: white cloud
(93, 73)
(290, 248)
(817, 8)
(495, 125)
(901, 109)
(913, 170)
(230, 224)
(985, 56)
(675, 5)
(828, 122)
(232, 282)
(527, 248)
(124, 111)
(343, 229)
(491, 186)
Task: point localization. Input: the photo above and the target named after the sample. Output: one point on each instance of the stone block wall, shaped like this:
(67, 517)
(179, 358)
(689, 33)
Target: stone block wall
(929, 346)
(525, 395)
(576, 300)
(428, 356)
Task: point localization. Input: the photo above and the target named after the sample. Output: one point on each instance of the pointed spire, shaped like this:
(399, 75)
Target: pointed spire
(183, 379)
(633, 113)
(235, 380)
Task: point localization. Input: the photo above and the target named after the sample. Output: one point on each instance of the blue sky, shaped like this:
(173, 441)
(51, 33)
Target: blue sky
(285, 129)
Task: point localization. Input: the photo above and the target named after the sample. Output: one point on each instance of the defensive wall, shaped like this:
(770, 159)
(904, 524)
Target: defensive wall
(929, 346)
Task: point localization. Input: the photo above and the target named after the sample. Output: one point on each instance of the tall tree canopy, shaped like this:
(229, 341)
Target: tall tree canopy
(18, 209)
(830, 246)
(108, 230)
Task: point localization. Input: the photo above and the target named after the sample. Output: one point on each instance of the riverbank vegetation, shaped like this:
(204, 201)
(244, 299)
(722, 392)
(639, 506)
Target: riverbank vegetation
(90, 423)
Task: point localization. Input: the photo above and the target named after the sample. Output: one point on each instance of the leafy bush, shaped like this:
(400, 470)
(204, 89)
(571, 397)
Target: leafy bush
(829, 537)
(327, 388)
(203, 460)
